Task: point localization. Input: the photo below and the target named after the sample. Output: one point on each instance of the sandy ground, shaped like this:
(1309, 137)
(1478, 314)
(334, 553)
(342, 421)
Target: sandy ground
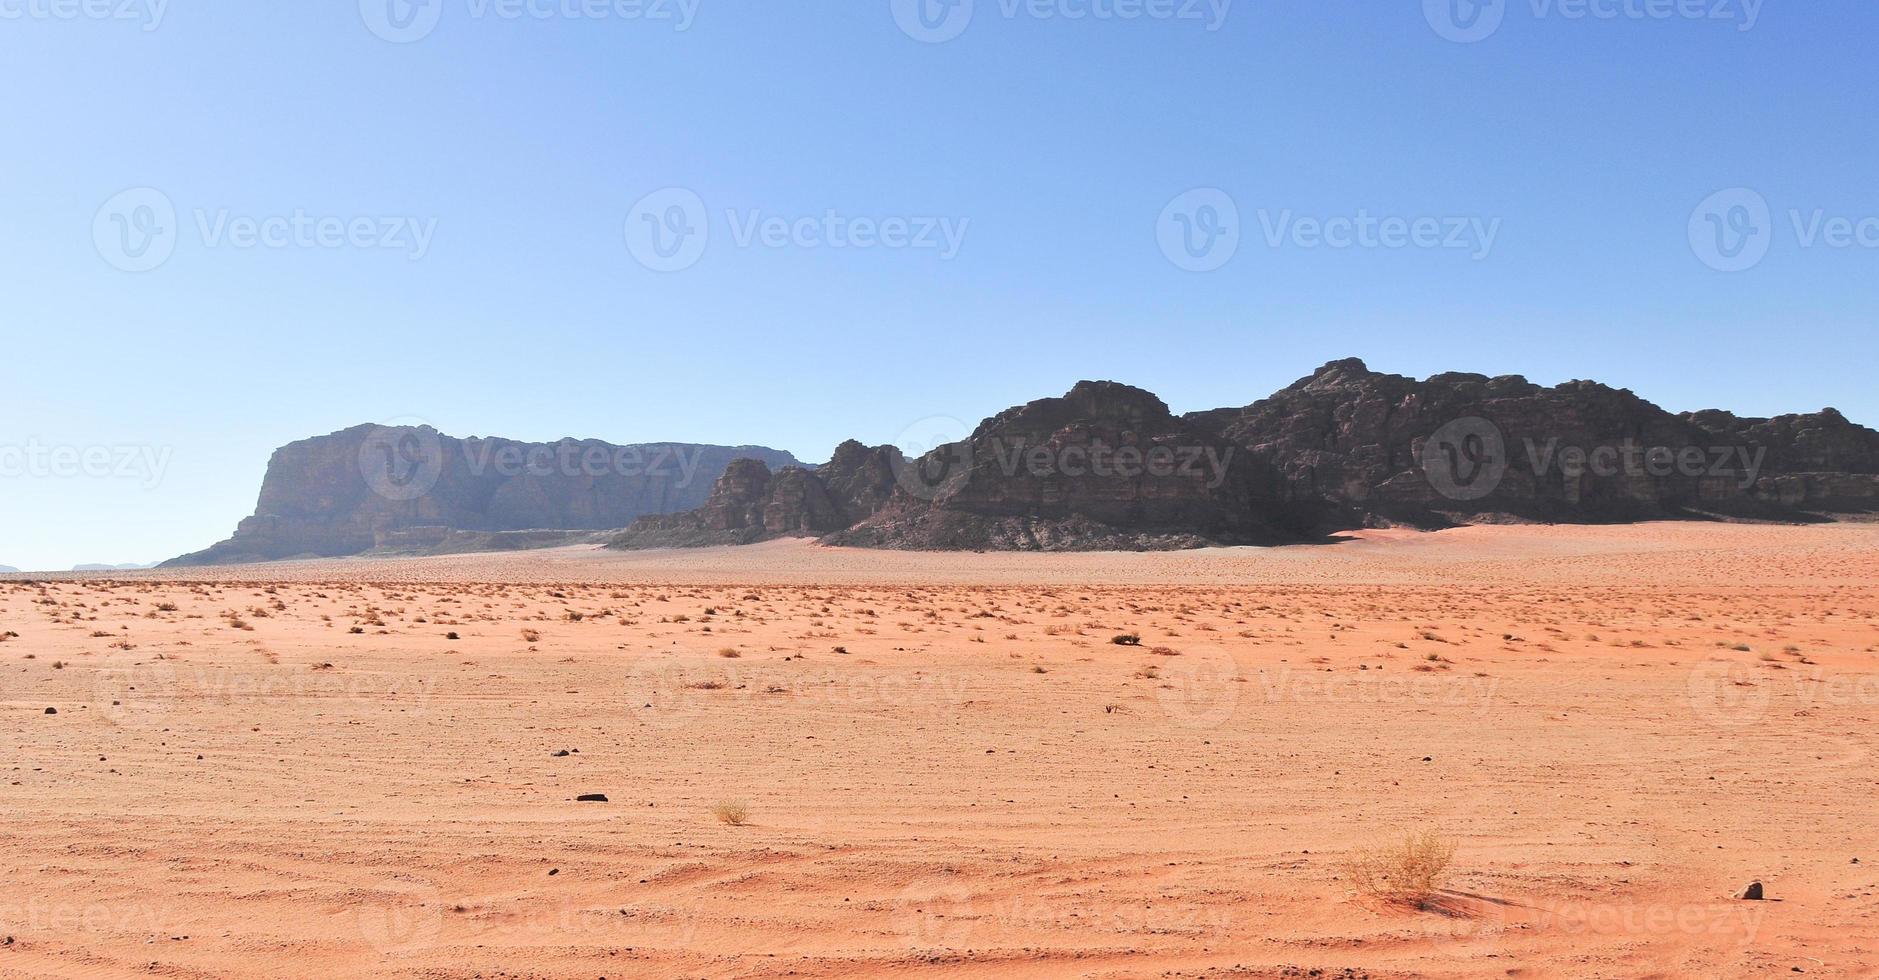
(355, 768)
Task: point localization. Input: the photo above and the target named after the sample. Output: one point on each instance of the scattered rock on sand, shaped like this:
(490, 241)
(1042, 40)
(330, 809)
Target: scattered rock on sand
(52, 711)
(1753, 893)
(591, 798)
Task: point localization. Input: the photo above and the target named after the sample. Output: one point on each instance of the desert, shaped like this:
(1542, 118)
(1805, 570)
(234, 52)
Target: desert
(820, 761)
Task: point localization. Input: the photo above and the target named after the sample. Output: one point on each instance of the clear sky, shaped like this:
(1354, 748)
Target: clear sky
(1057, 141)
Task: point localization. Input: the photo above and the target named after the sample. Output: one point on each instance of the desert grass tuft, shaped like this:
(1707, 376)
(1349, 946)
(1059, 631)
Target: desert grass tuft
(733, 812)
(1408, 872)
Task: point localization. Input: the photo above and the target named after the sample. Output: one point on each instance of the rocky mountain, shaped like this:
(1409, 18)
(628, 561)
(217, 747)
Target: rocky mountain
(8, 570)
(1106, 466)
(750, 504)
(414, 489)
(1383, 448)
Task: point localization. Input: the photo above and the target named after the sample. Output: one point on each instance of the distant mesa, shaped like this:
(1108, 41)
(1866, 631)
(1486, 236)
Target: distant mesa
(413, 490)
(1104, 466)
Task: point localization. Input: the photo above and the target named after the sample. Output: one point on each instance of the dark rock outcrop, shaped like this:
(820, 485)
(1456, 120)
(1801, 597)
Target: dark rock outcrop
(415, 489)
(751, 504)
(1106, 466)
(1383, 448)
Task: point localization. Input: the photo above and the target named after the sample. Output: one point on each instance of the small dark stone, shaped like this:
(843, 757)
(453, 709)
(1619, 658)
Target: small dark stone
(591, 798)
(52, 711)
(553, 871)
(561, 753)
(1753, 893)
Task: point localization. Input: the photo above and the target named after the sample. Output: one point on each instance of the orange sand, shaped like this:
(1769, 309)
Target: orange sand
(949, 768)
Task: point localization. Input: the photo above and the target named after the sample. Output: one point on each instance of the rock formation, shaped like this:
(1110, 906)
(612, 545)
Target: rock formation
(750, 504)
(1580, 451)
(415, 489)
(1106, 466)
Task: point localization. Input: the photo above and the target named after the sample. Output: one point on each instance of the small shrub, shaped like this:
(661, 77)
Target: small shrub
(531, 636)
(733, 812)
(1409, 872)
(729, 653)
(1127, 639)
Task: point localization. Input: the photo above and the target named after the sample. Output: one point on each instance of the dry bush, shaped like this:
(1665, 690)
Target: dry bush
(734, 812)
(1408, 872)
(729, 653)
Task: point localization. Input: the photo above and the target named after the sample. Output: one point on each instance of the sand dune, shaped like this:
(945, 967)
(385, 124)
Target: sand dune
(355, 768)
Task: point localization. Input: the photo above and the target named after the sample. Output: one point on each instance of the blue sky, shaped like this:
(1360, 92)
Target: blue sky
(1050, 144)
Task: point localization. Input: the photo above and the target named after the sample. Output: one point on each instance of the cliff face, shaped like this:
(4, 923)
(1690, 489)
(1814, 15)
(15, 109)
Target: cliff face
(1460, 447)
(370, 487)
(1106, 466)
